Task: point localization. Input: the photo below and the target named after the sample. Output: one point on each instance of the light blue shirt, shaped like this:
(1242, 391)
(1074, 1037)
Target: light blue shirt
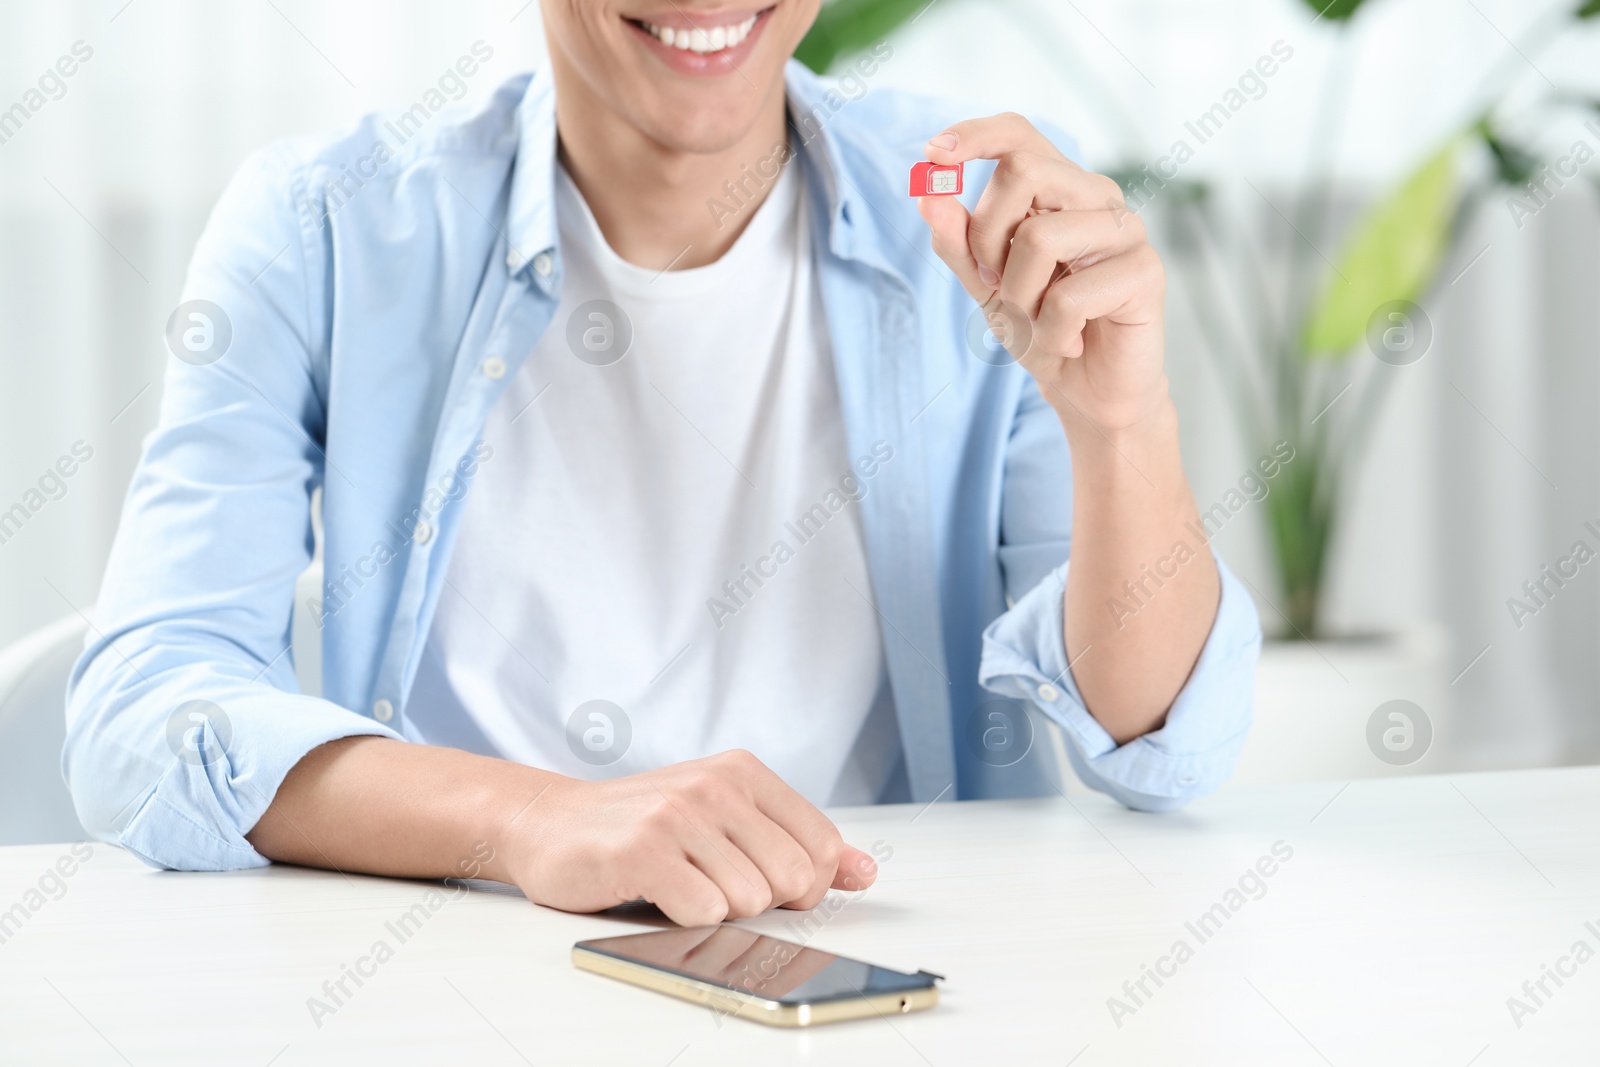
(379, 302)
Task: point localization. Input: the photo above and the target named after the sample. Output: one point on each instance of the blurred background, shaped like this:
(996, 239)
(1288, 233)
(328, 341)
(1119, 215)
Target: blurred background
(1382, 232)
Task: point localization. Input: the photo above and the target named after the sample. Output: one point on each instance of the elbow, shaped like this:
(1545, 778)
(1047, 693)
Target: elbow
(129, 780)
(1171, 798)
(1144, 777)
(108, 780)
(87, 764)
(1151, 802)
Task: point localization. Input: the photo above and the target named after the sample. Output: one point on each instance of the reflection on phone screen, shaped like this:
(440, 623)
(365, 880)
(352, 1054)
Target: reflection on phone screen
(753, 963)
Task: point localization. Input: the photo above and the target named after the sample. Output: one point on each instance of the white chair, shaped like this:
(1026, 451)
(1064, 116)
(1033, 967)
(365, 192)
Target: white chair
(35, 807)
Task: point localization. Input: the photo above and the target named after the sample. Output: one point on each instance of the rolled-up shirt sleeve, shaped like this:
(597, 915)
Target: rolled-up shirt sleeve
(1194, 751)
(183, 714)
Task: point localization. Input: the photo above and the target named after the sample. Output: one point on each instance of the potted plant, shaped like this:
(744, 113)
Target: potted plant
(1312, 363)
(1318, 376)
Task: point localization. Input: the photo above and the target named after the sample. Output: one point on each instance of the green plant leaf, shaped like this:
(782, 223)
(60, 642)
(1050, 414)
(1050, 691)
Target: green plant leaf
(1513, 165)
(1392, 255)
(844, 27)
(1340, 10)
(1589, 9)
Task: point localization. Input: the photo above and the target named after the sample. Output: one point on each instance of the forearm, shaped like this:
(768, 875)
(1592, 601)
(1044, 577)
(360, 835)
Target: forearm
(705, 840)
(1138, 608)
(380, 806)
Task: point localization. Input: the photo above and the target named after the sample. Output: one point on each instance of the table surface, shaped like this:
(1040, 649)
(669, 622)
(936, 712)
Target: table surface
(1406, 915)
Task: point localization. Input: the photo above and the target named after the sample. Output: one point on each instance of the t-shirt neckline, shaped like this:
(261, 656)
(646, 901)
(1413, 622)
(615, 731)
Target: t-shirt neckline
(780, 209)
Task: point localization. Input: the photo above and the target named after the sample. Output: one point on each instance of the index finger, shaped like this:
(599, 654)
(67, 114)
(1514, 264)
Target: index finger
(809, 827)
(988, 138)
(799, 818)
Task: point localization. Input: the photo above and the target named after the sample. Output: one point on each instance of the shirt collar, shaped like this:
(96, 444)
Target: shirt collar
(530, 216)
(823, 138)
(808, 117)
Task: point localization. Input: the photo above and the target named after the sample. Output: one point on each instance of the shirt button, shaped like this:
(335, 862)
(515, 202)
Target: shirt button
(423, 533)
(382, 710)
(1048, 693)
(494, 368)
(515, 259)
(543, 264)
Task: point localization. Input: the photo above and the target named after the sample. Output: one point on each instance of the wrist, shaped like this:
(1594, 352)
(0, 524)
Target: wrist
(1144, 438)
(503, 819)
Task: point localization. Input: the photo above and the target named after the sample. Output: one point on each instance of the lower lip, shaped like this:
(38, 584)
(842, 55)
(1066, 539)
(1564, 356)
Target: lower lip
(704, 66)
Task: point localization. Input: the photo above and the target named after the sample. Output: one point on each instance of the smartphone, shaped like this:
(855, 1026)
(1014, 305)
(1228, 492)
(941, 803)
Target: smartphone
(743, 973)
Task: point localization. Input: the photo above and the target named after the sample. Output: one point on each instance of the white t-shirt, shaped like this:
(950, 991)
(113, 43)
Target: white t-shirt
(617, 599)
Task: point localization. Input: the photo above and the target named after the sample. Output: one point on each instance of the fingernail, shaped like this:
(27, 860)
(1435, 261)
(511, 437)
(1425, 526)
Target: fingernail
(987, 276)
(946, 141)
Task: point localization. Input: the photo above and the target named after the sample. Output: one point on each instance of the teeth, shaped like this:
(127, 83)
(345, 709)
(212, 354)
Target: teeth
(702, 40)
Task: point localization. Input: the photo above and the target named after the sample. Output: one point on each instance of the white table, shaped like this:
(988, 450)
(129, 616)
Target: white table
(1410, 911)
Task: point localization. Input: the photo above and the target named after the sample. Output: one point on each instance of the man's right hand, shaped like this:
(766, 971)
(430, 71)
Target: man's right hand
(711, 839)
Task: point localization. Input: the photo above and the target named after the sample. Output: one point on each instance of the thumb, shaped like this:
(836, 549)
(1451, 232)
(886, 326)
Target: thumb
(947, 221)
(856, 871)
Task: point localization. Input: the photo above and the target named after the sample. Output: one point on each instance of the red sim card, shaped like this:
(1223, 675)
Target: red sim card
(935, 179)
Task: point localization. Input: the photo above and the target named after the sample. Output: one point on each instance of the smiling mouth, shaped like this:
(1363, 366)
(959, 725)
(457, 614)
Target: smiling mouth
(703, 37)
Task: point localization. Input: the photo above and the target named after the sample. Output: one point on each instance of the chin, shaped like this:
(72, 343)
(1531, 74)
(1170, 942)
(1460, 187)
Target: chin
(685, 127)
(692, 76)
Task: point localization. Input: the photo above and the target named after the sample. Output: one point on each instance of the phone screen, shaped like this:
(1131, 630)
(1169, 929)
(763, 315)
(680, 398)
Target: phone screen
(753, 963)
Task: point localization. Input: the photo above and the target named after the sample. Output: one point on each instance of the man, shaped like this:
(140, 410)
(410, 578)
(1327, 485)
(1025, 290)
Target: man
(668, 491)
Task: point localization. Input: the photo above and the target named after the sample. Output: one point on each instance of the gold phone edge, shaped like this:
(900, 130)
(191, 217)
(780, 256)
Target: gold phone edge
(749, 1006)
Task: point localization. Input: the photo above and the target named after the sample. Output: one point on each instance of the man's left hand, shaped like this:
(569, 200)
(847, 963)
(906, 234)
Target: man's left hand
(1062, 269)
